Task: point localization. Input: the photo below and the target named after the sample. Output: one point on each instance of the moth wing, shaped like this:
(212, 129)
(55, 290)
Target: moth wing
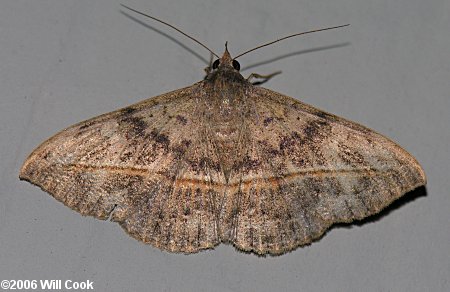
(137, 166)
(305, 170)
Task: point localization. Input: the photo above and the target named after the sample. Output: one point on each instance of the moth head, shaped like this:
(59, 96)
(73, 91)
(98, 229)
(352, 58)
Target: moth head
(226, 61)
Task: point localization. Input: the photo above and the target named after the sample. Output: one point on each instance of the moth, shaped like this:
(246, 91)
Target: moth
(226, 161)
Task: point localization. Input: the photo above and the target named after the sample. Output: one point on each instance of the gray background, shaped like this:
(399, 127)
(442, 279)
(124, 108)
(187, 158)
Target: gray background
(63, 61)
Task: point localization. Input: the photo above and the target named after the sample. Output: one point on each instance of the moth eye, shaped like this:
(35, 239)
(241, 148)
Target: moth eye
(236, 65)
(216, 64)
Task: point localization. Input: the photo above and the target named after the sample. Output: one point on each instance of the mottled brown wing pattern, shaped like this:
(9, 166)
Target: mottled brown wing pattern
(305, 170)
(138, 166)
(223, 161)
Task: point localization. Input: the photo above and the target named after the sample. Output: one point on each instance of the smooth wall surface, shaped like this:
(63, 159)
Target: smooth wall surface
(64, 61)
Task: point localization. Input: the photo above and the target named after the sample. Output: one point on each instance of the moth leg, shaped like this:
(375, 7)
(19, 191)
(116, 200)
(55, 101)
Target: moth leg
(264, 78)
(209, 68)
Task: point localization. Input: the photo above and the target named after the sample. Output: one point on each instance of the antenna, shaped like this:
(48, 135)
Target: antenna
(169, 25)
(289, 36)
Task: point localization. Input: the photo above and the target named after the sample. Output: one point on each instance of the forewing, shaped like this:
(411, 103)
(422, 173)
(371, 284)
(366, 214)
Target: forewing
(138, 166)
(305, 170)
